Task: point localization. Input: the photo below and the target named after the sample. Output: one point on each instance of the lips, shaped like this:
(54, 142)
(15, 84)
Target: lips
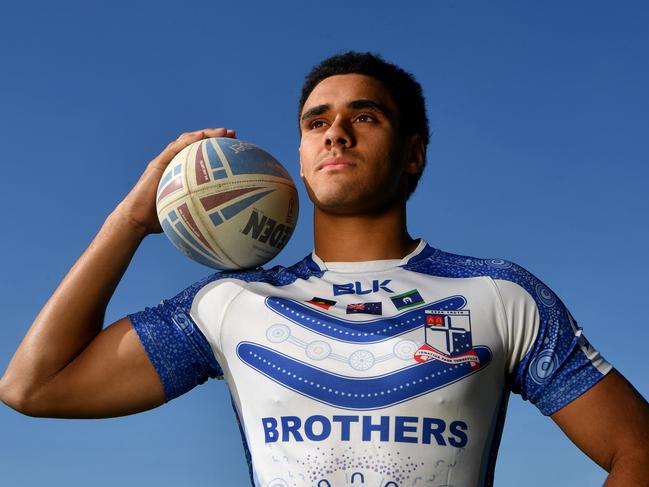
(337, 162)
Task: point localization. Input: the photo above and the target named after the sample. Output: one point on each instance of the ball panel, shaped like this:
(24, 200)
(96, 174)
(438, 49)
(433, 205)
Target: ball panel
(215, 158)
(179, 235)
(173, 183)
(198, 165)
(190, 223)
(214, 200)
(258, 232)
(186, 222)
(246, 158)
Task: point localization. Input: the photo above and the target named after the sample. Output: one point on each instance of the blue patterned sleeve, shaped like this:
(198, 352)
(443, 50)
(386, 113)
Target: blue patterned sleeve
(556, 364)
(177, 348)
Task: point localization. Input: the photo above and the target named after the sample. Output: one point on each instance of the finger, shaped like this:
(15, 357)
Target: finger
(201, 134)
(191, 137)
(188, 138)
(220, 132)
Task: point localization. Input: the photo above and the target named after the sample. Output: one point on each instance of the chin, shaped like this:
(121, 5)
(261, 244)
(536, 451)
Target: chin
(336, 204)
(351, 199)
(332, 197)
(350, 205)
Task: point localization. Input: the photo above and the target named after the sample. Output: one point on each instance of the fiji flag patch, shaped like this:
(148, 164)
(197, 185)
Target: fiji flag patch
(365, 308)
(321, 302)
(407, 299)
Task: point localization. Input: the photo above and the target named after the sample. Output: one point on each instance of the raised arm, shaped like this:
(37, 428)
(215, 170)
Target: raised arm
(67, 366)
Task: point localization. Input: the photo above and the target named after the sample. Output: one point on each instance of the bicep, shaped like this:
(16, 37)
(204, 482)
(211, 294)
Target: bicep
(609, 420)
(113, 376)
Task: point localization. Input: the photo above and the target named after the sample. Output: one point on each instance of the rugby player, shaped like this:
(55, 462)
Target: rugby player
(377, 358)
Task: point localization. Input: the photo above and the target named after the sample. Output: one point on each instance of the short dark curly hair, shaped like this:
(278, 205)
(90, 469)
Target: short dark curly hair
(404, 89)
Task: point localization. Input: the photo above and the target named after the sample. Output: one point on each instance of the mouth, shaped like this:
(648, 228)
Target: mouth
(337, 162)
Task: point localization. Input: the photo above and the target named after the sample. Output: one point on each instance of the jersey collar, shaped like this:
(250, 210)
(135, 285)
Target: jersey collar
(422, 251)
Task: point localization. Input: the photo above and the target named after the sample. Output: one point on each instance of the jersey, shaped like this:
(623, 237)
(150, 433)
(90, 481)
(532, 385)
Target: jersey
(386, 373)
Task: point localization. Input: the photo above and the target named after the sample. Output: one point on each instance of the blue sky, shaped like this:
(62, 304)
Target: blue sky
(539, 154)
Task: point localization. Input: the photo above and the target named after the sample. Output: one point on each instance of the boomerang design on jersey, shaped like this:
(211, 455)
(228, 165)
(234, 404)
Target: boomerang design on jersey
(384, 373)
(350, 392)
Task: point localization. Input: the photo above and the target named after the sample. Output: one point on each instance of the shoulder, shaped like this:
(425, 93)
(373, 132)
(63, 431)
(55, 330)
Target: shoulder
(446, 264)
(513, 282)
(276, 276)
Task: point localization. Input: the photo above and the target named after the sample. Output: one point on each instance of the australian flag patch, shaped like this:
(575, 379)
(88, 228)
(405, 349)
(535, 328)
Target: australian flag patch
(365, 308)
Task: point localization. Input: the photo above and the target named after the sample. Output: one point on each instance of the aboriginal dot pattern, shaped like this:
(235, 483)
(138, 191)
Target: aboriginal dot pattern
(555, 371)
(322, 465)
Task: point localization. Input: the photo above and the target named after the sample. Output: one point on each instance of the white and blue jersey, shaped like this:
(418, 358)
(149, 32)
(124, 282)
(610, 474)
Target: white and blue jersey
(386, 373)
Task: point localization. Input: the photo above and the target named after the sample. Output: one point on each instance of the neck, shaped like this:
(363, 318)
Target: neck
(348, 238)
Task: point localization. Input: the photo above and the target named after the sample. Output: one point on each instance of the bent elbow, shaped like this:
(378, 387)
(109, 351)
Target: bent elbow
(18, 398)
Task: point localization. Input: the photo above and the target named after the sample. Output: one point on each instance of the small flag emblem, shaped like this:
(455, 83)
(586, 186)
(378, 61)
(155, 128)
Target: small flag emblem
(321, 302)
(407, 299)
(365, 308)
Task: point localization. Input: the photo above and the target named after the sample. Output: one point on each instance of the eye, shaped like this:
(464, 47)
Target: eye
(364, 117)
(316, 124)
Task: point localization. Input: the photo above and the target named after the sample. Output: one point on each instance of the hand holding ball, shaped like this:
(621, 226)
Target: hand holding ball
(227, 204)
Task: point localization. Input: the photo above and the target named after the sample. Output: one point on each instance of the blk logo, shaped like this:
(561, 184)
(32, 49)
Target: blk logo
(357, 287)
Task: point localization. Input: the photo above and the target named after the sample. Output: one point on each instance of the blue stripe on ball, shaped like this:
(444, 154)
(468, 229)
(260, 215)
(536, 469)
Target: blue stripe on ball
(239, 206)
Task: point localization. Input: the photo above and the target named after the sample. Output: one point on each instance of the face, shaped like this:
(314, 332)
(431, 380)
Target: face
(352, 157)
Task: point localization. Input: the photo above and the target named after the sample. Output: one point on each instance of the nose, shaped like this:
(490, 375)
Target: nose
(339, 134)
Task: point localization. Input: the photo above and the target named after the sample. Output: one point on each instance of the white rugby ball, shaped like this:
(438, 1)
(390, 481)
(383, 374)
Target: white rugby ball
(227, 204)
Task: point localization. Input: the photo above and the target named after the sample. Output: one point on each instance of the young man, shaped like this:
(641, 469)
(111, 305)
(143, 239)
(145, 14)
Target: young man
(375, 359)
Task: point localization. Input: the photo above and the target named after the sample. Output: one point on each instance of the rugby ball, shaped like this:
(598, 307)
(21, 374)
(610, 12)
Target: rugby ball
(227, 204)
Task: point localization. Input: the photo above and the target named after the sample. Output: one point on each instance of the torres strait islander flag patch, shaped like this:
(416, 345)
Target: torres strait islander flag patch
(407, 299)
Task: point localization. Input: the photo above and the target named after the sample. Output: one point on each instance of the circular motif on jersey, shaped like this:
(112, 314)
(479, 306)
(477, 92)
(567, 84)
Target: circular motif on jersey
(318, 350)
(278, 483)
(545, 295)
(405, 349)
(361, 360)
(543, 365)
(182, 321)
(499, 263)
(278, 333)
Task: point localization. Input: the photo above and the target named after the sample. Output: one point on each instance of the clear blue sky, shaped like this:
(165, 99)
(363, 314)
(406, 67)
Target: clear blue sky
(539, 154)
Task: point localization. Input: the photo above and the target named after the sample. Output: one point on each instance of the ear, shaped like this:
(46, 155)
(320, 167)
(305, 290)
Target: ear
(414, 163)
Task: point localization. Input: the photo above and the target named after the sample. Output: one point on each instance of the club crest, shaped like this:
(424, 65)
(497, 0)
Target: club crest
(448, 338)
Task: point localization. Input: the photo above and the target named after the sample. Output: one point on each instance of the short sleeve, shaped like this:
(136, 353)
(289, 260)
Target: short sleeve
(177, 348)
(550, 362)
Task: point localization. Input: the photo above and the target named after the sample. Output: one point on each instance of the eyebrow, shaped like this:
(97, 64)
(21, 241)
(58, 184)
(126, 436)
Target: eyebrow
(355, 104)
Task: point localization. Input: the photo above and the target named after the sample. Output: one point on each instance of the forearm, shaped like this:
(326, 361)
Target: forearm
(632, 469)
(74, 314)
